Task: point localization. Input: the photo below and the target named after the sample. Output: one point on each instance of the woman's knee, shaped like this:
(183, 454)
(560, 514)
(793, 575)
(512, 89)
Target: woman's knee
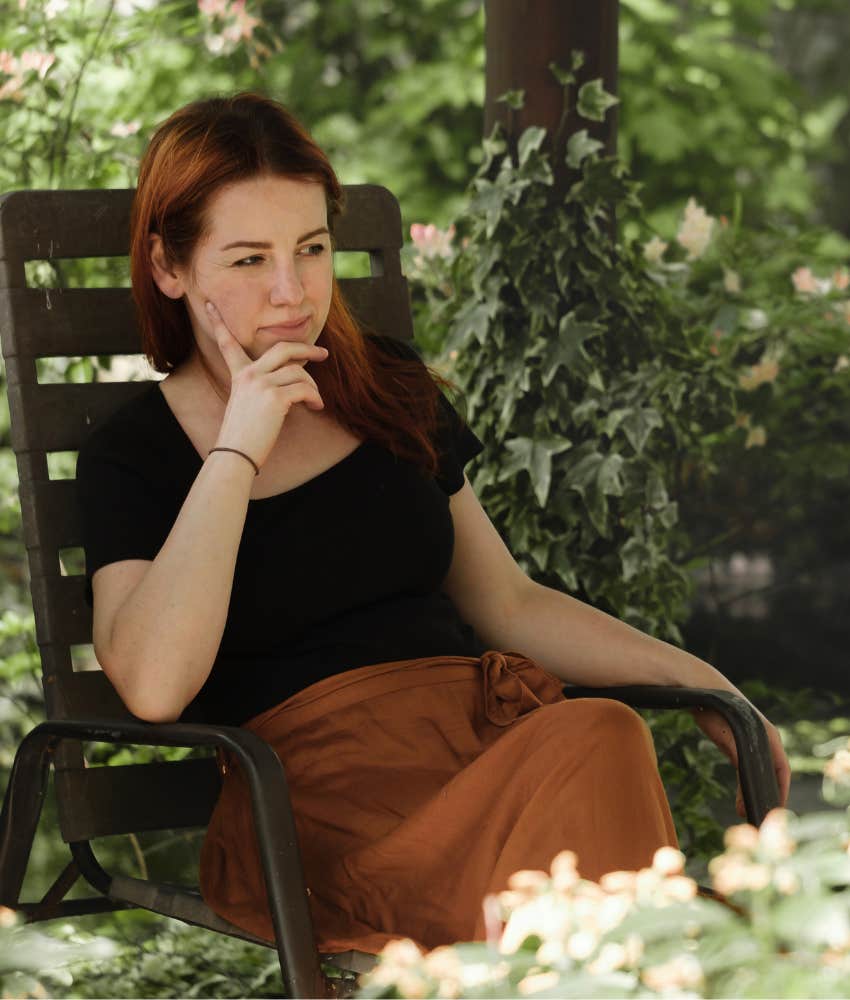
(594, 721)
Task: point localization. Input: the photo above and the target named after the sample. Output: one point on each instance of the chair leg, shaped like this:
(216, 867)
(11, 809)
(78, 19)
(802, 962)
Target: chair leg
(21, 811)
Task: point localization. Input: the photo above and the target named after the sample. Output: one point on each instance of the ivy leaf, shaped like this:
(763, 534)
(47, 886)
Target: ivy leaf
(529, 142)
(608, 478)
(594, 101)
(568, 348)
(535, 458)
(564, 76)
(579, 147)
(634, 556)
(639, 425)
(513, 98)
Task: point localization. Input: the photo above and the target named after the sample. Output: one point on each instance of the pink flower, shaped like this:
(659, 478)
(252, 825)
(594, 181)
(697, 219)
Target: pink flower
(431, 241)
(213, 8)
(40, 61)
(8, 63)
(841, 279)
(804, 281)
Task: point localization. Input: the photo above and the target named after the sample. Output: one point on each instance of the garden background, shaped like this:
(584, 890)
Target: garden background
(743, 107)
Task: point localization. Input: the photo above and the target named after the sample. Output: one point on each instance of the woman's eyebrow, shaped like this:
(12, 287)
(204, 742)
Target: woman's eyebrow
(262, 245)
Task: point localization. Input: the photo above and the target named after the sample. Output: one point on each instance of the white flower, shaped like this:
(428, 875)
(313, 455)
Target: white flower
(123, 129)
(841, 363)
(653, 251)
(668, 861)
(755, 319)
(731, 281)
(695, 232)
(757, 438)
(54, 7)
(681, 972)
(544, 916)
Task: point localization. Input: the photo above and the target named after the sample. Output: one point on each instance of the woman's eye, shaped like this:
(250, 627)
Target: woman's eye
(314, 250)
(248, 261)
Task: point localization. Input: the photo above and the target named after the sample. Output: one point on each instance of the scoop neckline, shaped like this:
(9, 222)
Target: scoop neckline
(272, 496)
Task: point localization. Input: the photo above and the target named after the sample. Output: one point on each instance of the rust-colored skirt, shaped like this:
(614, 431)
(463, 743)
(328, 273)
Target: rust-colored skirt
(419, 786)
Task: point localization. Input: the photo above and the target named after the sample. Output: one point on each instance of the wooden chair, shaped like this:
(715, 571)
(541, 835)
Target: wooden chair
(81, 705)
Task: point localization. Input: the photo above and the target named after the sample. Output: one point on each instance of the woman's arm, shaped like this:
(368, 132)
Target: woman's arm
(158, 625)
(568, 638)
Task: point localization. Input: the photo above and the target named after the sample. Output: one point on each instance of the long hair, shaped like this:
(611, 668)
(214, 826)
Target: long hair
(197, 151)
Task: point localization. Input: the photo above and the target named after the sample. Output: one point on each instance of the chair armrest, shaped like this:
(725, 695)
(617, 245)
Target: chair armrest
(755, 763)
(272, 810)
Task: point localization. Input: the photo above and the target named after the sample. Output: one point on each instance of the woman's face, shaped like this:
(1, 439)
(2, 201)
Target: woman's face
(265, 263)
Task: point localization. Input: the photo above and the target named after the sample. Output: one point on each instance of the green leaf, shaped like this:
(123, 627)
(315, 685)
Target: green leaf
(580, 146)
(608, 479)
(513, 98)
(639, 424)
(634, 556)
(564, 76)
(534, 457)
(568, 348)
(594, 101)
(529, 142)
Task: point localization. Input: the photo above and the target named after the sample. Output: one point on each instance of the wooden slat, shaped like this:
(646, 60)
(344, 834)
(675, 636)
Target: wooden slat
(101, 801)
(59, 417)
(371, 219)
(381, 305)
(61, 612)
(40, 225)
(70, 322)
(87, 695)
(50, 516)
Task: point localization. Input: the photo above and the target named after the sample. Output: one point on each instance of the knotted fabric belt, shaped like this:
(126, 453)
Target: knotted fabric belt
(514, 685)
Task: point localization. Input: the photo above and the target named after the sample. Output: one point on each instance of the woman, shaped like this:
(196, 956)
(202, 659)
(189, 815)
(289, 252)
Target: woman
(288, 506)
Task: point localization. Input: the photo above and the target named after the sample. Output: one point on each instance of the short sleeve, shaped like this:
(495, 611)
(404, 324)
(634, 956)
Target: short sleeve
(456, 443)
(122, 513)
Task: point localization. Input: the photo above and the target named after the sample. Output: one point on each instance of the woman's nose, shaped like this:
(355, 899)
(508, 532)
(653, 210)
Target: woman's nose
(286, 286)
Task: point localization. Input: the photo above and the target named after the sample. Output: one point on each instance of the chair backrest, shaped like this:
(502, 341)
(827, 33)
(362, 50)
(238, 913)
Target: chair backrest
(49, 418)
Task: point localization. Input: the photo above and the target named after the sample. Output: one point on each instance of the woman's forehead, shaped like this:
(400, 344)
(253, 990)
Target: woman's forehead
(279, 205)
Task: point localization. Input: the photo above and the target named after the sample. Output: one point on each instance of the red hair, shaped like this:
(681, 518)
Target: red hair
(197, 151)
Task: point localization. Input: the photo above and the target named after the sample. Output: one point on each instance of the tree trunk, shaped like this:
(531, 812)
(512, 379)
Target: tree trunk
(524, 36)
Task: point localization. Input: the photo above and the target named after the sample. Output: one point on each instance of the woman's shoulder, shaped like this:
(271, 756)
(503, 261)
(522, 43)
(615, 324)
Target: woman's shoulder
(128, 429)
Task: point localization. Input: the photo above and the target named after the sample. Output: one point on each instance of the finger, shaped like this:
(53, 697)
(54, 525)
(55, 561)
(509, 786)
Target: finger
(303, 393)
(291, 374)
(292, 354)
(231, 350)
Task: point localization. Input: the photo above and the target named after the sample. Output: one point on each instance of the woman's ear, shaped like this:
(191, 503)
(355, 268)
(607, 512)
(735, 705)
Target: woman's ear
(167, 278)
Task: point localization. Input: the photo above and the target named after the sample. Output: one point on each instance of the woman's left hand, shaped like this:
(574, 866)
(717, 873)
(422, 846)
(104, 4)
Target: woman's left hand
(717, 729)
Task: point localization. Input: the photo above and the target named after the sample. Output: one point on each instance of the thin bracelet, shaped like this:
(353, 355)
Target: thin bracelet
(236, 451)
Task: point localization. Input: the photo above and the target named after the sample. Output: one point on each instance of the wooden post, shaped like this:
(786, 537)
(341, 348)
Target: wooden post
(524, 36)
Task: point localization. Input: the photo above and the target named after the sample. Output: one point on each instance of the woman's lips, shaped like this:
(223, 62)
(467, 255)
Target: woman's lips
(287, 331)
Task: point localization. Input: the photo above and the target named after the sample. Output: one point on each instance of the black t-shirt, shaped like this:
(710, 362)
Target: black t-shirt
(339, 572)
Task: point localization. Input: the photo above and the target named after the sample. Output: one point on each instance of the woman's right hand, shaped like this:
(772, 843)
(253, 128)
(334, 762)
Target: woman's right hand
(263, 391)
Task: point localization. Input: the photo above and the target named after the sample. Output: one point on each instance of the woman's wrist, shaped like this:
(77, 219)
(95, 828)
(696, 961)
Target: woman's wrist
(236, 455)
